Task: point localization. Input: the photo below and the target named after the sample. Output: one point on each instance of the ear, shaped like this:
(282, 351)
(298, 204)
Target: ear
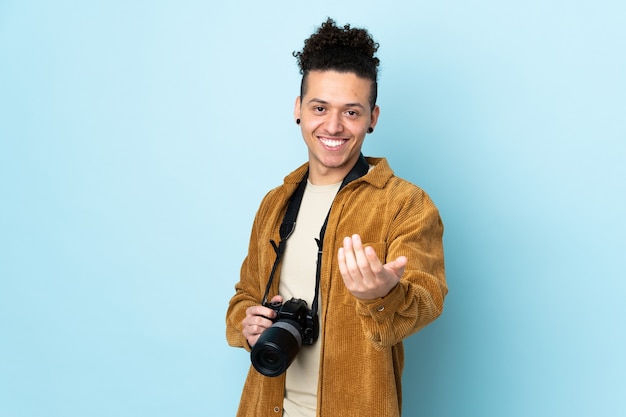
(374, 116)
(296, 109)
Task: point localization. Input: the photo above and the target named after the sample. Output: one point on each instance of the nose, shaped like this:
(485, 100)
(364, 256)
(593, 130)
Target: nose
(334, 123)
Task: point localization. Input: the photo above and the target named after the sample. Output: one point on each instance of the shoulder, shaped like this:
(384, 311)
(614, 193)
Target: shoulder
(383, 177)
(275, 198)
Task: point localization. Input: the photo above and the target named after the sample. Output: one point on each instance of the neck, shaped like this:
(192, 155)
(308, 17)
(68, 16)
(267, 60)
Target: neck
(320, 174)
(335, 175)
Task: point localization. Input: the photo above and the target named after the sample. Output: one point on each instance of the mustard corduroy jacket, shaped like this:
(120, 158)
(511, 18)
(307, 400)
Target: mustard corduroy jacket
(362, 353)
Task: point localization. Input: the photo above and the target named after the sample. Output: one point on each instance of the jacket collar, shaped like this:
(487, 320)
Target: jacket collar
(378, 175)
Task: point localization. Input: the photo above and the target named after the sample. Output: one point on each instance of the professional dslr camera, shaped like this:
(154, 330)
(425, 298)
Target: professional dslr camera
(279, 344)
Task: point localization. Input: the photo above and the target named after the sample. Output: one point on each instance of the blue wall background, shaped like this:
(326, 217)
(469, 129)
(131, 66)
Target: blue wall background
(137, 139)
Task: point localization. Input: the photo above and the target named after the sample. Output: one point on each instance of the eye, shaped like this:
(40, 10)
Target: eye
(318, 109)
(352, 113)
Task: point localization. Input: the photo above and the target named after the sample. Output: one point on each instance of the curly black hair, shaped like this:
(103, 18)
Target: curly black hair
(340, 49)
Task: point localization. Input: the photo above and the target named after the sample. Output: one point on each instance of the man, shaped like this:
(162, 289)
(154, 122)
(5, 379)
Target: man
(379, 276)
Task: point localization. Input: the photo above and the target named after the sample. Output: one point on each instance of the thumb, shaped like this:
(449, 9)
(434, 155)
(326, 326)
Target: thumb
(277, 299)
(397, 266)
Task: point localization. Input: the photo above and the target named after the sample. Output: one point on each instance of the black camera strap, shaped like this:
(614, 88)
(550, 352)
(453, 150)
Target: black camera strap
(289, 225)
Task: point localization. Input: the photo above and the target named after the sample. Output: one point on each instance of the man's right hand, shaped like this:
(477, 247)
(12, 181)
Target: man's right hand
(258, 318)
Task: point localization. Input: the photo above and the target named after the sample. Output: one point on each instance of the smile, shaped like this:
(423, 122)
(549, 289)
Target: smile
(332, 143)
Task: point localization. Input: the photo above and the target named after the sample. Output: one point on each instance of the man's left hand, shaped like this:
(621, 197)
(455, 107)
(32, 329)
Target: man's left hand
(364, 274)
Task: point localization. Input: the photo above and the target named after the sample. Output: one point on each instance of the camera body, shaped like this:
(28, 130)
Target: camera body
(297, 310)
(294, 325)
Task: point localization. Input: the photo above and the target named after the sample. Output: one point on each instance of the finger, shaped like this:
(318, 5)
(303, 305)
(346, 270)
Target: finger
(252, 333)
(362, 259)
(253, 326)
(350, 257)
(375, 265)
(343, 268)
(252, 340)
(258, 314)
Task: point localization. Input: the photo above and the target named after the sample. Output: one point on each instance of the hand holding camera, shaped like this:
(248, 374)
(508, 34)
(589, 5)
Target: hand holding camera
(292, 324)
(258, 318)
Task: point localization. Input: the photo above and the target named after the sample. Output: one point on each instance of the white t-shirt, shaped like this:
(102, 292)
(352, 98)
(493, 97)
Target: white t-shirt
(297, 279)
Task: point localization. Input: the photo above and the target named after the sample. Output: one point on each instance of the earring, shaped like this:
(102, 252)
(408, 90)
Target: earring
(370, 130)
(297, 121)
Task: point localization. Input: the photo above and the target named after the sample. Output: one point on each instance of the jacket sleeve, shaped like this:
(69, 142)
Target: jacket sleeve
(249, 289)
(416, 232)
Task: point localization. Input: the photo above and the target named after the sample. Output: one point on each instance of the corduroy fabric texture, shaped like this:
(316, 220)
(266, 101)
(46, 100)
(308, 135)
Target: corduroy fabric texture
(362, 354)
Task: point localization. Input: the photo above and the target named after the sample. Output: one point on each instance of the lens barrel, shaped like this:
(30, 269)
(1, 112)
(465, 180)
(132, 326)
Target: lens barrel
(276, 348)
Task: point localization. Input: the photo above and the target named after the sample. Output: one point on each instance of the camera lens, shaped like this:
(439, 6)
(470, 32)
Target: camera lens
(269, 358)
(270, 361)
(276, 348)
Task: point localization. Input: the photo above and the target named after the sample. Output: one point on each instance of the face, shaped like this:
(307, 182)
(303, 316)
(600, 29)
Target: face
(335, 115)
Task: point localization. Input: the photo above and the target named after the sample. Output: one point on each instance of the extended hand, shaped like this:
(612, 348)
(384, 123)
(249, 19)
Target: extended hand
(363, 273)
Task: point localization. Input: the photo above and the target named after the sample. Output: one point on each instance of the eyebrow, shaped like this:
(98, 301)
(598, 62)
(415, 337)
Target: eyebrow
(320, 101)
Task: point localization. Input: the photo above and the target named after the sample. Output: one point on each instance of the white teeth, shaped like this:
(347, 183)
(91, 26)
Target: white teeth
(331, 143)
